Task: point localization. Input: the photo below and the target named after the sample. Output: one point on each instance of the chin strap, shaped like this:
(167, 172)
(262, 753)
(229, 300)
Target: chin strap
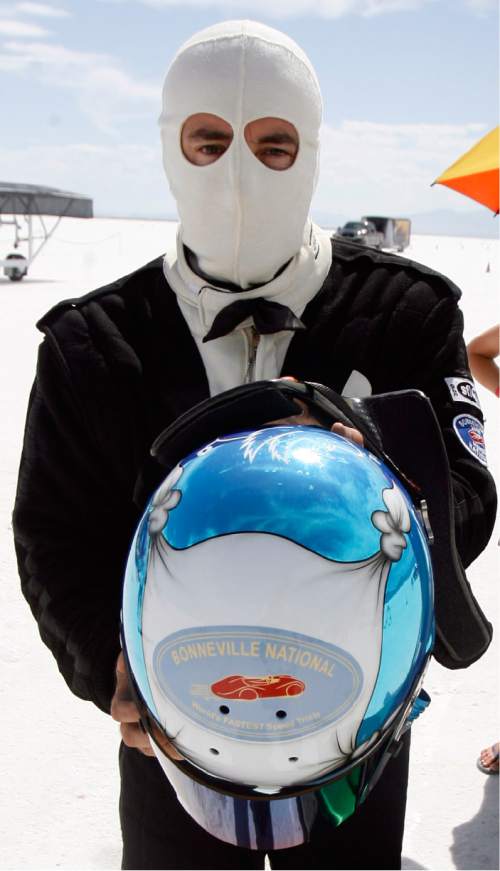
(252, 406)
(259, 404)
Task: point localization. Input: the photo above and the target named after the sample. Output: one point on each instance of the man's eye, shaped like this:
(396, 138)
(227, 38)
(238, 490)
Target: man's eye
(276, 158)
(273, 153)
(212, 149)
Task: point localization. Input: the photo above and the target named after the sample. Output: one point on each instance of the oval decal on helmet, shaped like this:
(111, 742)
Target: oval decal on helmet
(257, 683)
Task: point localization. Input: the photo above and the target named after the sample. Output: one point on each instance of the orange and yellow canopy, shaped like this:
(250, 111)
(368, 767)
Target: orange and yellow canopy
(475, 174)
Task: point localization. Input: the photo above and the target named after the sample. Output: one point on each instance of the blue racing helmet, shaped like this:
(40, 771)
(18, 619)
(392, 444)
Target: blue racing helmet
(277, 621)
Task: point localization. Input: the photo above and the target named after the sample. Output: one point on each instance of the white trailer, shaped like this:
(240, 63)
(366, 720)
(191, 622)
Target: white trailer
(395, 232)
(31, 204)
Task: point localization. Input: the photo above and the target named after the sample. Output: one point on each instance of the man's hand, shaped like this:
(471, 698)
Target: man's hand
(349, 432)
(125, 712)
(305, 419)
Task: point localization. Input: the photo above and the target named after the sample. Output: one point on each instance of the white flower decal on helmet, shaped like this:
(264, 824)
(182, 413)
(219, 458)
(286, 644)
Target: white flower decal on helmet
(164, 500)
(392, 524)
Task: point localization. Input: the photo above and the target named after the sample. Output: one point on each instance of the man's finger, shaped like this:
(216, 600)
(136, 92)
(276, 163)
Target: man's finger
(348, 432)
(124, 711)
(121, 668)
(134, 737)
(123, 708)
(122, 686)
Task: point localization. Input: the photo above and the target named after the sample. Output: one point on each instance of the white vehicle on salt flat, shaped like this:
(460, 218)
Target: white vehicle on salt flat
(33, 203)
(393, 232)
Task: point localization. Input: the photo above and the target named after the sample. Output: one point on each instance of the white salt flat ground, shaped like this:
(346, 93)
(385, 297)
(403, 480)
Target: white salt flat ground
(58, 778)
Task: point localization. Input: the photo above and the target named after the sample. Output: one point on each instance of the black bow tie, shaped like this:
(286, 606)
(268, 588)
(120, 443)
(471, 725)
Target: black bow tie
(268, 317)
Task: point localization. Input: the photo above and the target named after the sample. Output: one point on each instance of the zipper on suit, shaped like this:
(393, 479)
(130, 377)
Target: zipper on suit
(253, 339)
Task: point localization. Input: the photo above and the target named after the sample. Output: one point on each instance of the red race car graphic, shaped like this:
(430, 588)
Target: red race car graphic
(238, 686)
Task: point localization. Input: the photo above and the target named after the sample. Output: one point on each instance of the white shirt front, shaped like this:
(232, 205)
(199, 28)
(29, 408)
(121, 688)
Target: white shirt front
(231, 360)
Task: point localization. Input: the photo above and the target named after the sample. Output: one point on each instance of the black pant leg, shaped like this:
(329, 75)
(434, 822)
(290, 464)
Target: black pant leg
(158, 833)
(371, 839)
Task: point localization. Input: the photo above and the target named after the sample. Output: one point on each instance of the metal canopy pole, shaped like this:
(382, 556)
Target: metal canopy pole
(46, 236)
(30, 238)
(30, 202)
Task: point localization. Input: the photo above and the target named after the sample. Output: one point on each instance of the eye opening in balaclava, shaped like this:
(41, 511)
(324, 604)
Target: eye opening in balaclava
(276, 133)
(274, 142)
(203, 130)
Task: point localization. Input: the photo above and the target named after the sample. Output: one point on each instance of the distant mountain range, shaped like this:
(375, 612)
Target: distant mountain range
(482, 224)
(440, 223)
(447, 223)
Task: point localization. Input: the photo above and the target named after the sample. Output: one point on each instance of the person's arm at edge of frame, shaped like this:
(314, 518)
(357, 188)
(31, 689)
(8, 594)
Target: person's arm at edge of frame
(481, 352)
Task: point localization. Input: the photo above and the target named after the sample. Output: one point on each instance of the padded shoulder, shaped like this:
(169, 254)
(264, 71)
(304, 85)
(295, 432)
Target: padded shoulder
(120, 348)
(127, 286)
(363, 259)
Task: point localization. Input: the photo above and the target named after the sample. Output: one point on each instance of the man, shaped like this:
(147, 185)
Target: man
(251, 290)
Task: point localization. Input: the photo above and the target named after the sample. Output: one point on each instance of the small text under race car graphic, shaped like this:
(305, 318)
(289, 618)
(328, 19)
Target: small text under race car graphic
(246, 725)
(254, 682)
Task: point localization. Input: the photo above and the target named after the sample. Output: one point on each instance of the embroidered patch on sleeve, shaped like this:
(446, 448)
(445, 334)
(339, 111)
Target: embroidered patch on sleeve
(463, 390)
(470, 432)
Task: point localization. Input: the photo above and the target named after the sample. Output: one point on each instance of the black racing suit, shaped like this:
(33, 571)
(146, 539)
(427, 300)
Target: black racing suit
(114, 369)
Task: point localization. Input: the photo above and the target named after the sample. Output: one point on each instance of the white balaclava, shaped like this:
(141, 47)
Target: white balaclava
(242, 219)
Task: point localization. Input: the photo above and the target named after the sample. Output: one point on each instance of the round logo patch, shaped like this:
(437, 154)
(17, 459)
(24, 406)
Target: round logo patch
(463, 390)
(470, 431)
(254, 683)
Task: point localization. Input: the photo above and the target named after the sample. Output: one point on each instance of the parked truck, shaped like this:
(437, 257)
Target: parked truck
(364, 232)
(394, 232)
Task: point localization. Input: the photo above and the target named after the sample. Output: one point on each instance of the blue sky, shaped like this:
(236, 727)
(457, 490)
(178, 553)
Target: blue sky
(408, 85)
